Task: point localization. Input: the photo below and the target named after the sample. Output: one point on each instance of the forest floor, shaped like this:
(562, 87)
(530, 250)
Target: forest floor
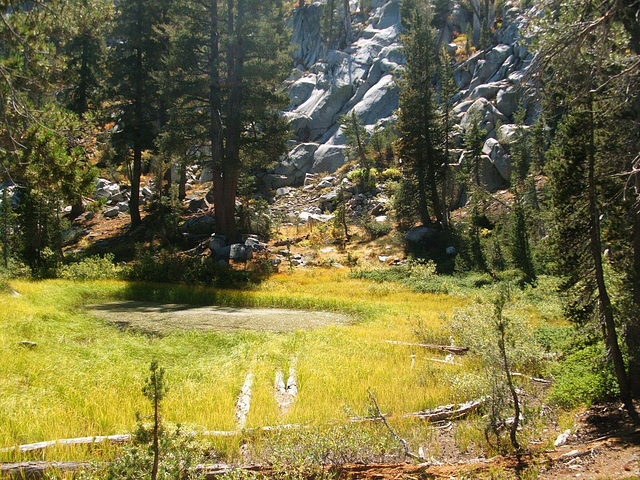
(605, 446)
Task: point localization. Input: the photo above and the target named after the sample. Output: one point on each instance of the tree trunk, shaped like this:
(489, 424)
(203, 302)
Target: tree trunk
(423, 208)
(134, 202)
(431, 154)
(604, 302)
(224, 201)
(632, 337)
(347, 23)
(182, 182)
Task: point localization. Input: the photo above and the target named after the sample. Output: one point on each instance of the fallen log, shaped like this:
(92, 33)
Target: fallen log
(34, 470)
(533, 379)
(447, 412)
(31, 447)
(447, 348)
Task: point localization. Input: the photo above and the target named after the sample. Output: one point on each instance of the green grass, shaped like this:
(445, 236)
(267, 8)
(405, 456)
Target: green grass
(85, 375)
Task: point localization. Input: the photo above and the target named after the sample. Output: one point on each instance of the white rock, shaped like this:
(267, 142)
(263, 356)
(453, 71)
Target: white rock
(563, 438)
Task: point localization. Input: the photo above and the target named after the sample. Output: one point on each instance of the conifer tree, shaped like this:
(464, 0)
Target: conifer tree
(586, 48)
(85, 48)
(419, 145)
(520, 183)
(228, 60)
(135, 60)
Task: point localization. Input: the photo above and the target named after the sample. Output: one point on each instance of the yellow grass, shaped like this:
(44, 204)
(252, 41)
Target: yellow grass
(84, 376)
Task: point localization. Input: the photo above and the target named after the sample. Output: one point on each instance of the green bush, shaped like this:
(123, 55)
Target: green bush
(91, 268)
(391, 174)
(303, 450)
(180, 455)
(584, 377)
(170, 268)
(376, 229)
(420, 277)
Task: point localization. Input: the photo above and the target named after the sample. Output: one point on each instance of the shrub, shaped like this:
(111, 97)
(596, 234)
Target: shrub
(376, 229)
(584, 377)
(91, 268)
(504, 343)
(304, 450)
(391, 174)
(170, 268)
(180, 454)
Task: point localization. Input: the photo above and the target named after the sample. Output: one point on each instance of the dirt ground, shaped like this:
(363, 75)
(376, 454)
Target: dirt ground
(605, 446)
(159, 318)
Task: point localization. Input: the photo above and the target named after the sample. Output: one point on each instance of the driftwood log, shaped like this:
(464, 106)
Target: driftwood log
(32, 447)
(448, 412)
(34, 470)
(445, 412)
(445, 348)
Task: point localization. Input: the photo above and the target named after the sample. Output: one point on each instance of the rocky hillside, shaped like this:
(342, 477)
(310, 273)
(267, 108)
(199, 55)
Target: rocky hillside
(361, 78)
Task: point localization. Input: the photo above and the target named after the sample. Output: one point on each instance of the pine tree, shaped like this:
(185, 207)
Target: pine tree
(85, 49)
(419, 143)
(586, 48)
(135, 60)
(225, 98)
(521, 181)
(447, 91)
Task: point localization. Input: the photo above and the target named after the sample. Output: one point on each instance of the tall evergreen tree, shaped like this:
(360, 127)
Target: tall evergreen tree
(229, 61)
(41, 146)
(521, 185)
(137, 55)
(419, 143)
(85, 50)
(590, 47)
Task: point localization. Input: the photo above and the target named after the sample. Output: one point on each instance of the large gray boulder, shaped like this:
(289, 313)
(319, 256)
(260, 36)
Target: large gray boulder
(272, 181)
(204, 225)
(301, 90)
(485, 113)
(298, 161)
(508, 133)
(379, 102)
(319, 112)
(387, 16)
(486, 68)
(501, 159)
(487, 90)
(328, 158)
(489, 176)
(508, 100)
(240, 252)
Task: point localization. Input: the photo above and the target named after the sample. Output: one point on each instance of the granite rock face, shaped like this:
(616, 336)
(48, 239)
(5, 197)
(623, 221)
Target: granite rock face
(361, 78)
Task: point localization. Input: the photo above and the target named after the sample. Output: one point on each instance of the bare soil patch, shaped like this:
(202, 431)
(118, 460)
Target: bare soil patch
(162, 318)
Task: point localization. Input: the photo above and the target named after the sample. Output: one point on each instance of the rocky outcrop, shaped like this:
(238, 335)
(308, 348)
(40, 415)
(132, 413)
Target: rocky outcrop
(326, 85)
(361, 79)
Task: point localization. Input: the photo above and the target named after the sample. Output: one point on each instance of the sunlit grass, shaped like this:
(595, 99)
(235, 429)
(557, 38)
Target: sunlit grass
(84, 377)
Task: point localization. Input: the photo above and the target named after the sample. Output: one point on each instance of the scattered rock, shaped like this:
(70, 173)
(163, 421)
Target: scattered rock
(204, 225)
(198, 204)
(111, 212)
(240, 252)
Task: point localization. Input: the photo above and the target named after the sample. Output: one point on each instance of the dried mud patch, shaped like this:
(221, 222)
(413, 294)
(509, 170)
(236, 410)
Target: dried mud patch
(160, 318)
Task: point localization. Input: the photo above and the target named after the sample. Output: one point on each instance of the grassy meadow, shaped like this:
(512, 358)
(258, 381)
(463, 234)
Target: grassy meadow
(84, 376)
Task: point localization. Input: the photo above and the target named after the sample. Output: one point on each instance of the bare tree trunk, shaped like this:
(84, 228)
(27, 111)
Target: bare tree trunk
(134, 202)
(632, 337)
(347, 23)
(604, 302)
